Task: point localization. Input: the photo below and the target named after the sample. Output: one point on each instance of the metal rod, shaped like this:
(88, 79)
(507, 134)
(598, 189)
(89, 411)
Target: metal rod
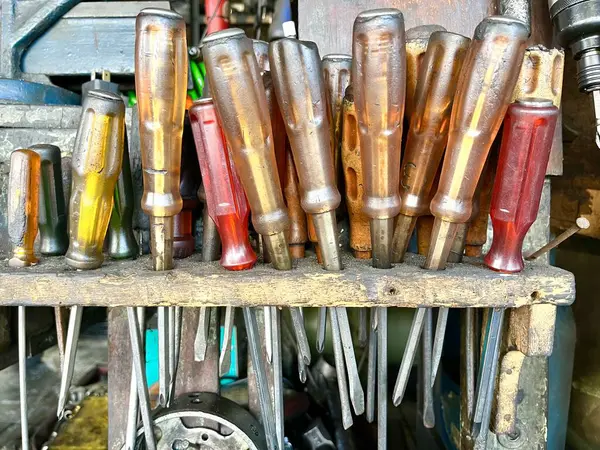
(363, 335)
(137, 352)
(70, 353)
(580, 224)
(23, 377)
(268, 334)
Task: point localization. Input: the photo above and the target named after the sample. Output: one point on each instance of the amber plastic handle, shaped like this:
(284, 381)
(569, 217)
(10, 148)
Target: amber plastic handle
(300, 91)
(428, 131)
(379, 81)
(96, 165)
(23, 203)
(241, 104)
(52, 218)
(161, 67)
(486, 85)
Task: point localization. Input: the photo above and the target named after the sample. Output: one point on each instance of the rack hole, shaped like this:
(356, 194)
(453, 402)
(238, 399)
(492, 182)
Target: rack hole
(535, 295)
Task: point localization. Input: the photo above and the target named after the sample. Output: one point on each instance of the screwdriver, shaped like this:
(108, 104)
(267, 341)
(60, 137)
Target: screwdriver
(184, 242)
(23, 206)
(96, 164)
(300, 91)
(242, 110)
(360, 235)
(225, 198)
(52, 219)
(336, 74)
(379, 81)
(417, 39)
(485, 88)
(122, 243)
(161, 81)
(527, 138)
(426, 141)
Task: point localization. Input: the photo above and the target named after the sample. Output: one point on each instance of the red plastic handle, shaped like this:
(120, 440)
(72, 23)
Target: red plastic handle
(524, 153)
(225, 197)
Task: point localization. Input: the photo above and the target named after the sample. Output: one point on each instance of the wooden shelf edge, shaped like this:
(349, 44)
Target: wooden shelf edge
(193, 283)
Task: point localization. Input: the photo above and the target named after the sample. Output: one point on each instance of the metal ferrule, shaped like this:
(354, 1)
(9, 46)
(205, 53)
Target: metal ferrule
(23, 202)
(96, 165)
(52, 218)
(378, 80)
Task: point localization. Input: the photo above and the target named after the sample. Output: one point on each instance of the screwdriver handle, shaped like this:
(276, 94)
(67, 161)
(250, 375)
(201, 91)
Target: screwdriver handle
(300, 92)
(485, 87)
(184, 242)
(225, 198)
(379, 84)
(96, 165)
(360, 234)
(122, 243)
(261, 53)
(336, 73)
(428, 131)
(298, 223)
(241, 104)
(23, 206)
(161, 75)
(52, 218)
(526, 142)
(280, 139)
(417, 40)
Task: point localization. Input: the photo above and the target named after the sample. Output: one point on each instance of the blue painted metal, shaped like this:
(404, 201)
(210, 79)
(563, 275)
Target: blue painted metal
(36, 93)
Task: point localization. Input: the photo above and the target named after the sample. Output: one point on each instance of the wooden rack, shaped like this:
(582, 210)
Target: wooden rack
(194, 283)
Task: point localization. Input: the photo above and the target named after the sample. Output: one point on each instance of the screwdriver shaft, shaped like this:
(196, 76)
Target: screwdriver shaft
(340, 369)
(382, 382)
(277, 368)
(321, 329)
(487, 372)
(371, 370)
(414, 336)
(133, 410)
(363, 320)
(70, 353)
(300, 334)
(225, 357)
(266, 407)
(357, 395)
(201, 340)
(438, 343)
(137, 352)
(23, 377)
(268, 333)
(163, 357)
(428, 412)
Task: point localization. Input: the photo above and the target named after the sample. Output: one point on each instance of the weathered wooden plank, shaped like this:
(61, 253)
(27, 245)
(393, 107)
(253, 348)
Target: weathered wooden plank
(194, 283)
